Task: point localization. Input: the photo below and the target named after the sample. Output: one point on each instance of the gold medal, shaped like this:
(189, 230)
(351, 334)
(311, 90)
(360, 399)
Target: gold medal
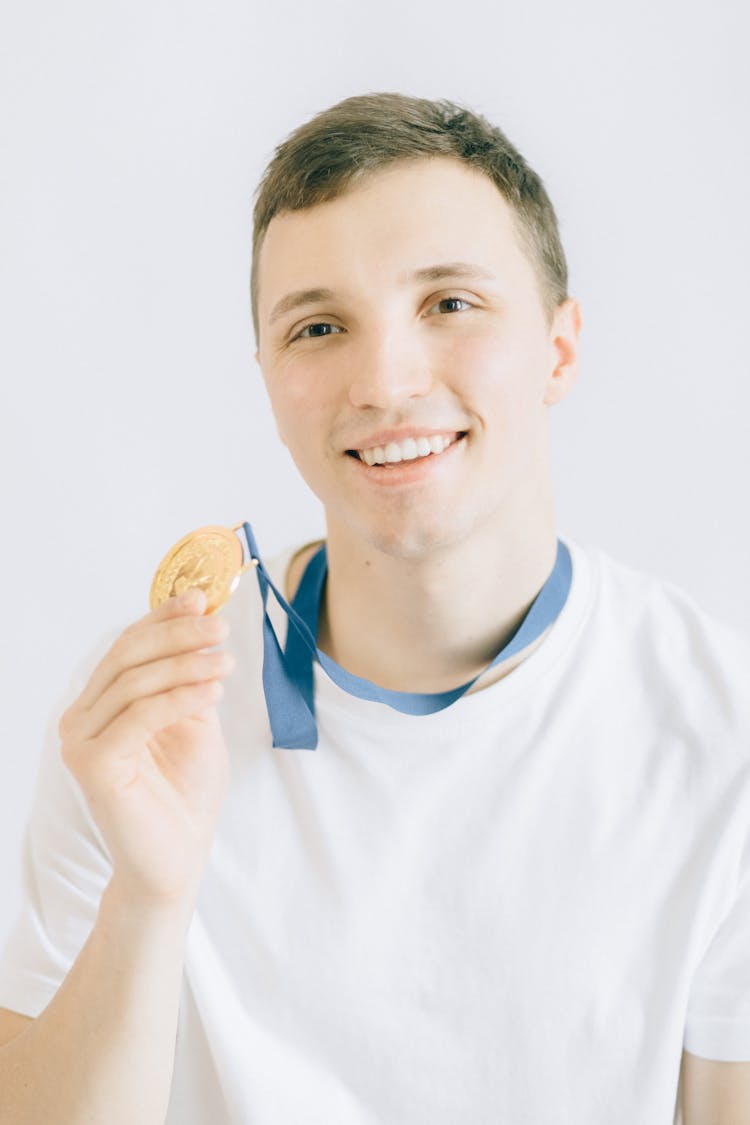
(209, 558)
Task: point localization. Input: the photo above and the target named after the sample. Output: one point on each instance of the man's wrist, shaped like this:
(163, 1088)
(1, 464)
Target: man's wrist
(122, 910)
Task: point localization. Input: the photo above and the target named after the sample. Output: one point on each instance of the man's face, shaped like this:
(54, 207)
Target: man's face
(454, 355)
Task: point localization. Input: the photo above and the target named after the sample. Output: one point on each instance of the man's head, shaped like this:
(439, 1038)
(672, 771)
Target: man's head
(343, 145)
(393, 357)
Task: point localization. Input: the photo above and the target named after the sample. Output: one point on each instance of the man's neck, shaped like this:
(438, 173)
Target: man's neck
(431, 624)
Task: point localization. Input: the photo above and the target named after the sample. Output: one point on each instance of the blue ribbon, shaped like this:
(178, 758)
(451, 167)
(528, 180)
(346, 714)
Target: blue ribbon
(288, 681)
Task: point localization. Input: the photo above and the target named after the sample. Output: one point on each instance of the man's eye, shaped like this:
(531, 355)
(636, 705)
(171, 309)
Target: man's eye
(454, 300)
(315, 335)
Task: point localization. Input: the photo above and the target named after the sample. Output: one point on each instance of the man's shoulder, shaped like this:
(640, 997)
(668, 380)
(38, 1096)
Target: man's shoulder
(671, 633)
(656, 597)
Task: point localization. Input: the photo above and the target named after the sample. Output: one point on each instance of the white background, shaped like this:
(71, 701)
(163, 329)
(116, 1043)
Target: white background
(132, 138)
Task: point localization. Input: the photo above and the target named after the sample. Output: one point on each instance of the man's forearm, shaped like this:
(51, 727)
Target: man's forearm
(102, 1052)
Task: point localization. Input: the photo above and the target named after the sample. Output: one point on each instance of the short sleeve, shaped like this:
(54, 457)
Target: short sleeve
(65, 868)
(717, 1024)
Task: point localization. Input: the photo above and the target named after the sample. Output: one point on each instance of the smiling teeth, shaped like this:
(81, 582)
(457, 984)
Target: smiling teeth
(407, 450)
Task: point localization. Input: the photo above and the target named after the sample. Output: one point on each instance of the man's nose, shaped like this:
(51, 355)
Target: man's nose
(389, 369)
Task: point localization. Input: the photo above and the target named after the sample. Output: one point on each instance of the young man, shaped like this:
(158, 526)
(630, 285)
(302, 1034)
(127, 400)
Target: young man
(512, 881)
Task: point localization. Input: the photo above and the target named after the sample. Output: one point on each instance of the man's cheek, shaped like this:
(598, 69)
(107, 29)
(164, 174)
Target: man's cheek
(305, 442)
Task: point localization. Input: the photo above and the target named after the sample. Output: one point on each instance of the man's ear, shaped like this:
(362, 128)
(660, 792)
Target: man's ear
(564, 342)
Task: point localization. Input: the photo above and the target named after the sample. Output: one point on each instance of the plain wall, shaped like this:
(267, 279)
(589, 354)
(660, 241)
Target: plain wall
(133, 136)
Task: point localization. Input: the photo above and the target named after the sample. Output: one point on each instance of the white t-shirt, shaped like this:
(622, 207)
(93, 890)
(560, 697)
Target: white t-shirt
(516, 909)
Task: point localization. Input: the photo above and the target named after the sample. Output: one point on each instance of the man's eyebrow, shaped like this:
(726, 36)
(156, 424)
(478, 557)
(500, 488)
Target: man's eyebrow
(297, 298)
(448, 269)
(427, 273)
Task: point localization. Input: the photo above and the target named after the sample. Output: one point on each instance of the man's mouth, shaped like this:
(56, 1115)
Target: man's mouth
(410, 449)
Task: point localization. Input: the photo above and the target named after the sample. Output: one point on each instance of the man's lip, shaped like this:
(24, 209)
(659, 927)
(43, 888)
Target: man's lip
(382, 437)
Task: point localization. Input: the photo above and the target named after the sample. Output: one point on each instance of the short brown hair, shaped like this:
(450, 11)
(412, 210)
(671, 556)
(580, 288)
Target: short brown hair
(361, 134)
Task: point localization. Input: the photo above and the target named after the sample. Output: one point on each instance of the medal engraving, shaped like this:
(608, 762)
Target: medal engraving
(209, 558)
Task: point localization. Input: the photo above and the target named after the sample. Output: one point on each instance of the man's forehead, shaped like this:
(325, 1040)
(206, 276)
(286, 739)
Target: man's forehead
(434, 236)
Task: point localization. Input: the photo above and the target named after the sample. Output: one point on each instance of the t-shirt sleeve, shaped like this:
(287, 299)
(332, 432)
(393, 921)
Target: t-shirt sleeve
(717, 1025)
(65, 867)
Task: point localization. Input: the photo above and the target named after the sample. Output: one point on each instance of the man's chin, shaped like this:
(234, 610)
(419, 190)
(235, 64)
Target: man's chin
(413, 541)
(421, 529)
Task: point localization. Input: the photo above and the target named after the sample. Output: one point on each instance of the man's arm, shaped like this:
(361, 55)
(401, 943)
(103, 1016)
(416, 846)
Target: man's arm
(102, 1051)
(714, 1092)
(144, 743)
(12, 1024)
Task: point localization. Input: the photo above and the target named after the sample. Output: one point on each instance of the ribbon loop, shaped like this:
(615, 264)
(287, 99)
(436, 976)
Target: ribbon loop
(288, 678)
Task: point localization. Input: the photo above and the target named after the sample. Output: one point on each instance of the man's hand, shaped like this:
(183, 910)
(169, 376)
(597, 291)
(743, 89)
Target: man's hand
(143, 741)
